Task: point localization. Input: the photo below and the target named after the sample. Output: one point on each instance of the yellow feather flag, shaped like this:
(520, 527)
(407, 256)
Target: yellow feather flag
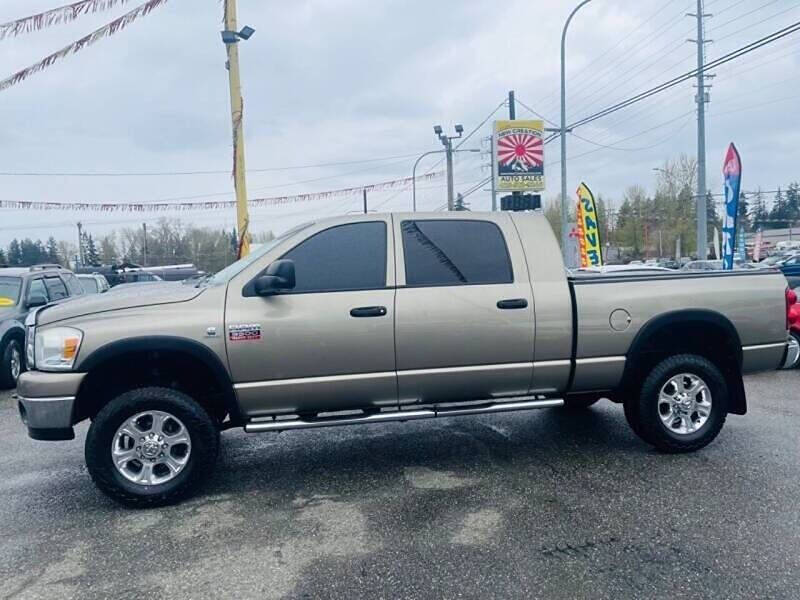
(591, 250)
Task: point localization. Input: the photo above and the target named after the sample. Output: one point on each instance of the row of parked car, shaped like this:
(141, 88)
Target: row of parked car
(25, 288)
(787, 261)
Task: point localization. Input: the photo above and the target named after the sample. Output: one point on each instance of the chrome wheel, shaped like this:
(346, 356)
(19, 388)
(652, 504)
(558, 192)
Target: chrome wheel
(16, 362)
(684, 404)
(151, 447)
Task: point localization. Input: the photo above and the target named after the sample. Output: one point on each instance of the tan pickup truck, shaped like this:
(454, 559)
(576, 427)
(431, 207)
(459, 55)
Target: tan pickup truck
(376, 318)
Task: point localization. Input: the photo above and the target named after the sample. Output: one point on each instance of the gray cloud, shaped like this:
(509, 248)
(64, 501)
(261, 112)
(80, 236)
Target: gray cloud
(328, 81)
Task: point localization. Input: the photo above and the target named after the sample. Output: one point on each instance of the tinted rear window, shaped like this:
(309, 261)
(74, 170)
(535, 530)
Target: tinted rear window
(446, 252)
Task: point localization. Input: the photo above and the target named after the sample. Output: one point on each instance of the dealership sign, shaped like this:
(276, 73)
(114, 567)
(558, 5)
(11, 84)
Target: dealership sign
(519, 156)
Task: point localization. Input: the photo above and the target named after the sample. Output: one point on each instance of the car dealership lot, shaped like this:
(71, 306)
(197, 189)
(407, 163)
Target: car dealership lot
(541, 504)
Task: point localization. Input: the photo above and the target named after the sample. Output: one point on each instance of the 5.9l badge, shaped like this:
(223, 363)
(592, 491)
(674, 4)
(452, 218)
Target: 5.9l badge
(244, 332)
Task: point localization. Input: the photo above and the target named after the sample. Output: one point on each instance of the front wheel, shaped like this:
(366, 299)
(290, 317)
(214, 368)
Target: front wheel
(151, 446)
(682, 405)
(11, 364)
(796, 336)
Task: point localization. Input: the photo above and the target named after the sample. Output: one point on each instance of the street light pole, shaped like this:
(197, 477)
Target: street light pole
(414, 178)
(414, 172)
(564, 225)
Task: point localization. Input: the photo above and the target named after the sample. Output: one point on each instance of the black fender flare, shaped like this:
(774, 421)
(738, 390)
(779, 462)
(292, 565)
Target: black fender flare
(738, 401)
(163, 343)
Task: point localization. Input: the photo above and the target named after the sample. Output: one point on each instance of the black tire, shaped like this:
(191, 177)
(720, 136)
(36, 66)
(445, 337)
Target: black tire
(203, 432)
(642, 412)
(796, 336)
(578, 403)
(7, 378)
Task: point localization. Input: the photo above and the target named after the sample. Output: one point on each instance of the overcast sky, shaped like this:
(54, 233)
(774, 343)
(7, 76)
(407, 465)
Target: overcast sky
(349, 80)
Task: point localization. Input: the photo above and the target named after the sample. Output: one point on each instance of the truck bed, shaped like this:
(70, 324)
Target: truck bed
(612, 309)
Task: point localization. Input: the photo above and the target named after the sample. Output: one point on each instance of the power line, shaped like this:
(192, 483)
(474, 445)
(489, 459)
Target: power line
(664, 6)
(686, 115)
(727, 8)
(439, 162)
(476, 187)
(751, 25)
(614, 66)
(781, 33)
(750, 12)
(575, 135)
(210, 172)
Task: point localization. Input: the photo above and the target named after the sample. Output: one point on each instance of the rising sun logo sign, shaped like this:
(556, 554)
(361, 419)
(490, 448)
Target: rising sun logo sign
(519, 155)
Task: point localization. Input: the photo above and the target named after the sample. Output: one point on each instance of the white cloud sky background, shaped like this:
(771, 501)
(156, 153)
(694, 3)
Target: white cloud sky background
(346, 80)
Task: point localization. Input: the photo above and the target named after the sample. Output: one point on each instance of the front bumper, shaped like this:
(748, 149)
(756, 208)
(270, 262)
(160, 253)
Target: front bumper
(792, 354)
(46, 403)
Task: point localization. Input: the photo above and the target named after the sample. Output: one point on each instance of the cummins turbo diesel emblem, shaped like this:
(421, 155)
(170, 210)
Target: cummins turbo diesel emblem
(244, 332)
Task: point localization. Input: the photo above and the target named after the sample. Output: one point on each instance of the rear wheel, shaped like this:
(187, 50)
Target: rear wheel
(151, 446)
(11, 364)
(682, 405)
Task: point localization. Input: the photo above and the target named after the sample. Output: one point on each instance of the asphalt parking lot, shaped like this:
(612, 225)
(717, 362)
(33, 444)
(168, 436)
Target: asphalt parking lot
(541, 504)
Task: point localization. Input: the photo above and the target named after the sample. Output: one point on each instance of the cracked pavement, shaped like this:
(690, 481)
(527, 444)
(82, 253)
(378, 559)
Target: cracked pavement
(540, 504)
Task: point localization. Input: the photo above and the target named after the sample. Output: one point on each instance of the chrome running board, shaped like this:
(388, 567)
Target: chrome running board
(523, 403)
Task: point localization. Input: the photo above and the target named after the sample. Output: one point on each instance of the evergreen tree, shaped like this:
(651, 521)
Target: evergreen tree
(779, 214)
(14, 253)
(234, 242)
(108, 251)
(793, 202)
(52, 251)
(3, 260)
(743, 220)
(91, 256)
(759, 215)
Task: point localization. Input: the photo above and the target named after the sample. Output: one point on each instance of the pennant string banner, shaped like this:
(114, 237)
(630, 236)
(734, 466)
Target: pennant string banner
(212, 205)
(107, 30)
(56, 16)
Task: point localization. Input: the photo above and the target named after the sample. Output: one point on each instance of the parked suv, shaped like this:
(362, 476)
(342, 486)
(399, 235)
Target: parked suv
(22, 289)
(94, 283)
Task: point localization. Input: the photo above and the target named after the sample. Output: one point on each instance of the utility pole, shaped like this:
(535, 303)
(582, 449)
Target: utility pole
(447, 142)
(365, 200)
(80, 242)
(448, 146)
(231, 38)
(701, 98)
(144, 244)
(492, 167)
(512, 115)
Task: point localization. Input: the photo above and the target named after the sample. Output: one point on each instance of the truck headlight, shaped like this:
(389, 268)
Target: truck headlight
(56, 349)
(30, 356)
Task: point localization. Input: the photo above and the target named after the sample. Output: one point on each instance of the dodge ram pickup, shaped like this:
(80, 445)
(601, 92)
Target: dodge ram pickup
(398, 317)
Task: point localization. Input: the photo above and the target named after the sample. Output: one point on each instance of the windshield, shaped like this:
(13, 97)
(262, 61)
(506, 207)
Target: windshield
(9, 290)
(229, 272)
